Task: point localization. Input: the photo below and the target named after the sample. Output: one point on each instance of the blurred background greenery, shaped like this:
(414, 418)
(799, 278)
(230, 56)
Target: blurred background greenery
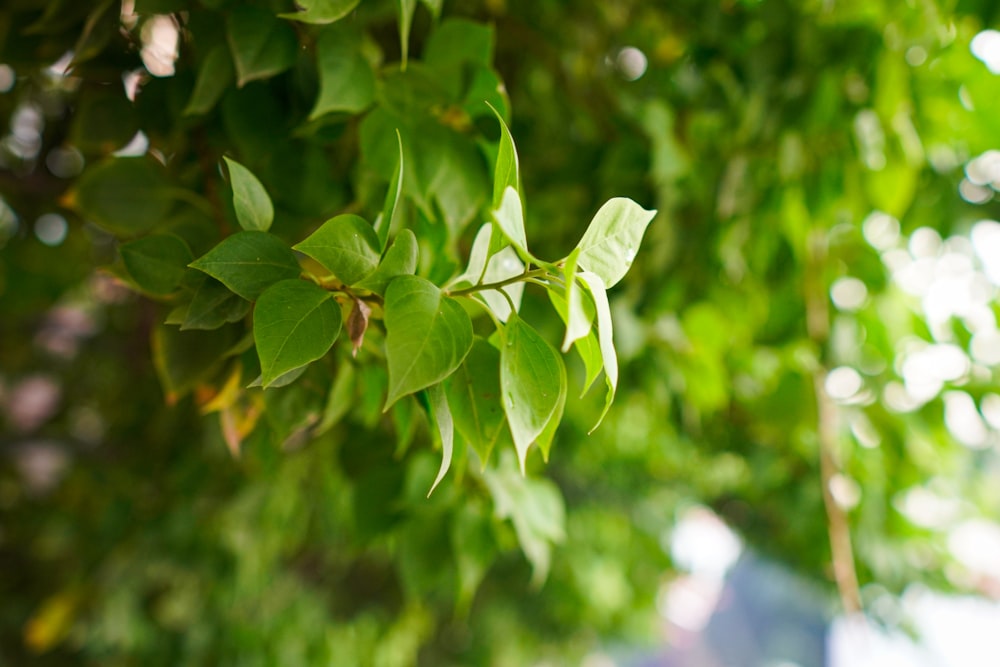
(809, 335)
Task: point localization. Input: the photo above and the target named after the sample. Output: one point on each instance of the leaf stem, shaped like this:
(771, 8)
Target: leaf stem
(527, 276)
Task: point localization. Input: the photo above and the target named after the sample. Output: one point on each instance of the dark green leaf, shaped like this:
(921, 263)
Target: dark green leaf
(214, 76)
(126, 196)
(261, 45)
(346, 245)
(249, 262)
(295, 323)
(321, 11)
(474, 396)
(346, 79)
(612, 240)
(427, 335)
(458, 41)
(157, 263)
(213, 305)
(400, 259)
(185, 358)
(532, 377)
(253, 207)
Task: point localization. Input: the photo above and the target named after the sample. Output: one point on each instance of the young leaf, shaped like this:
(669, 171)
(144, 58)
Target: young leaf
(294, 323)
(473, 274)
(261, 45)
(605, 337)
(441, 414)
(249, 262)
(587, 347)
(214, 76)
(474, 396)
(384, 221)
(214, 305)
(530, 373)
(427, 335)
(346, 79)
(157, 263)
(506, 172)
(400, 259)
(346, 245)
(577, 323)
(510, 218)
(321, 11)
(611, 241)
(253, 207)
(503, 265)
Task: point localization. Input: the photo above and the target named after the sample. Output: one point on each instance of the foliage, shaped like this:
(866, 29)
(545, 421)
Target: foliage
(344, 304)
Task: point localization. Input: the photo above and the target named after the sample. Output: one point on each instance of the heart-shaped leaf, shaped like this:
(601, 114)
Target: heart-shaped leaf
(346, 79)
(157, 263)
(346, 245)
(427, 335)
(249, 262)
(611, 241)
(532, 378)
(295, 323)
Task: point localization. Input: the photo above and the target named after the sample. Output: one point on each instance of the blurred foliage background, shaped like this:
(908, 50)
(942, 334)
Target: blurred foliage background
(809, 334)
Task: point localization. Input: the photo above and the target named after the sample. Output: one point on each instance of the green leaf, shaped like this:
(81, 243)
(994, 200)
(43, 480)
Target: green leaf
(587, 347)
(605, 336)
(282, 380)
(434, 7)
(406, 9)
(441, 414)
(578, 322)
(505, 173)
(509, 216)
(427, 335)
(532, 377)
(261, 45)
(346, 245)
(339, 400)
(295, 323)
(213, 305)
(346, 79)
(459, 41)
(249, 262)
(185, 358)
(253, 207)
(611, 241)
(126, 196)
(400, 259)
(474, 396)
(157, 263)
(321, 11)
(214, 76)
(478, 255)
(384, 222)
(475, 549)
(536, 509)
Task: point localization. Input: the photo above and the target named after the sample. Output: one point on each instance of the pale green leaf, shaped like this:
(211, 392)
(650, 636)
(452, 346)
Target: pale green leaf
(605, 336)
(578, 323)
(587, 347)
(254, 210)
(261, 45)
(295, 322)
(509, 216)
(346, 245)
(427, 335)
(400, 259)
(530, 372)
(478, 255)
(612, 240)
(249, 262)
(157, 262)
(321, 11)
(473, 394)
(506, 172)
(441, 414)
(346, 79)
(501, 266)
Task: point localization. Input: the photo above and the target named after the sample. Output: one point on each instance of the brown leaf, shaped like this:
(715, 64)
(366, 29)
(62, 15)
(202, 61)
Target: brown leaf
(357, 324)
